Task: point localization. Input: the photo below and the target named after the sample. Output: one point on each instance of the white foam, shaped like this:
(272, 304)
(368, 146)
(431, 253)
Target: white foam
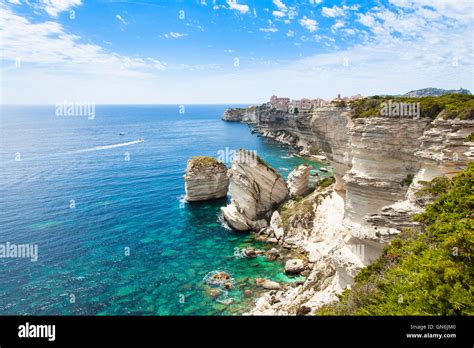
(106, 147)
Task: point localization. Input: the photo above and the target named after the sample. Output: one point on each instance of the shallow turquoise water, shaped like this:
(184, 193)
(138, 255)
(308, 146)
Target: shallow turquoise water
(121, 206)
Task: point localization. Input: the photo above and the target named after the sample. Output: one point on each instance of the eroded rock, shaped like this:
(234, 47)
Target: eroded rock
(255, 189)
(298, 180)
(294, 266)
(205, 179)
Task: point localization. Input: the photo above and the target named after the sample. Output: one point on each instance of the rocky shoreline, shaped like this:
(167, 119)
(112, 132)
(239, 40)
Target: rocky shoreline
(327, 235)
(342, 227)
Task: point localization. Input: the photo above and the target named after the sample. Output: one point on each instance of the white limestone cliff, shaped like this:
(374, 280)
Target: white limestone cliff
(255, 188)
(205, 179)
(298, 180)
(378, 164)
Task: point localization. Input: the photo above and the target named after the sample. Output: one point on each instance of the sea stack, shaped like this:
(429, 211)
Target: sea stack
(298, 180)
(255, 188)
(205, 179)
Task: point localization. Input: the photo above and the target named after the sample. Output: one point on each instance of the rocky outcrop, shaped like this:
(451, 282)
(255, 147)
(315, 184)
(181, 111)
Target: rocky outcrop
(205, 179)
(444, 146)
(298, 180)
(247, 115)
(294, 266)
(255, 188)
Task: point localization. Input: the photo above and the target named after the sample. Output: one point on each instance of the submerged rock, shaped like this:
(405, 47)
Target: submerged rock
(251, 253)
(214, 293)
(271, 285)
(218, 278)
(298, 180)
(255, 188)
(205, 178)
(272, 254)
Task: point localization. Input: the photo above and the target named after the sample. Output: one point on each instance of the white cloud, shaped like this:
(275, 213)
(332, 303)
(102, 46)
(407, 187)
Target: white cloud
(233, 5)
(332, 12)
(281, 6)
(336, 11)
(405, 52)
(54, 7)
(339, 24)
(366, 19)
(158, 65)
(49, 47)
(458, 9)
(120, 18)
(290, 33)
(269, 30)
(174, 35)
(349, 31)
(309, 24)
(279, 14)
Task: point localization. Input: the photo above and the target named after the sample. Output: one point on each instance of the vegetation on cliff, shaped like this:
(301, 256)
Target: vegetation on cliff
(302, 209)
(199, 163)
(448, 106)
(422, 272)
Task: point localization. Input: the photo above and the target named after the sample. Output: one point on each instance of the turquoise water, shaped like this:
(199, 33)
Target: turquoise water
(131, 245)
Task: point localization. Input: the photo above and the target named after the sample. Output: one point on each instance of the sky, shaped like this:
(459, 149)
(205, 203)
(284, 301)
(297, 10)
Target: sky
(230, 51)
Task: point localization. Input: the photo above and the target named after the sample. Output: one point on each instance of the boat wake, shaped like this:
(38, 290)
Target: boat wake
(106, 147)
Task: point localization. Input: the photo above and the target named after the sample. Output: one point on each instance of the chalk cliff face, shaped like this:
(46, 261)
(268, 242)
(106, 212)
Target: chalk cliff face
(375, 160)
(205, 178)
(378, 164)
(255, 189)
(383, 163)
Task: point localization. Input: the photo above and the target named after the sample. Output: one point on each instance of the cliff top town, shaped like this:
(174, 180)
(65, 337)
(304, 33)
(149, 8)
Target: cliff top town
(305, 104)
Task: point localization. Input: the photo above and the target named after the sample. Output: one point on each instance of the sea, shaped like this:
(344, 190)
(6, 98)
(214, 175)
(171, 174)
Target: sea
(101, 200)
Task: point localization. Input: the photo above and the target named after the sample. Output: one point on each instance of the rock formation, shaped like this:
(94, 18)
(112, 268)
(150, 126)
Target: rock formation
(255, 188)
(205, 178)
(298, 180)
(248, 115)
(378, 163)
(294, 266)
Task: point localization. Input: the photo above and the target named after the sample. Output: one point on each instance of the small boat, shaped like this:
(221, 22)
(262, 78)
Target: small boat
(323, 169)
(122, 133)
(141, 139)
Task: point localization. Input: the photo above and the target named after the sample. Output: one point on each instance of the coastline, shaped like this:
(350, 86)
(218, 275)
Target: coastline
(346, 226)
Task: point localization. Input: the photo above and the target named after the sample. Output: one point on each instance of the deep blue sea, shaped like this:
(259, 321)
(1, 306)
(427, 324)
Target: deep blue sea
(114, 235)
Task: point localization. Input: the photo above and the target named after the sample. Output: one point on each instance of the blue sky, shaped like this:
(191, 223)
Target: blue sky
(230, 51)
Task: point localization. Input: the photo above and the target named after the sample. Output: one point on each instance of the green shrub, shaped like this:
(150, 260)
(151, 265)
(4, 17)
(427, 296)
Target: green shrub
(326, 182)
(408, 180)
(448, 106)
